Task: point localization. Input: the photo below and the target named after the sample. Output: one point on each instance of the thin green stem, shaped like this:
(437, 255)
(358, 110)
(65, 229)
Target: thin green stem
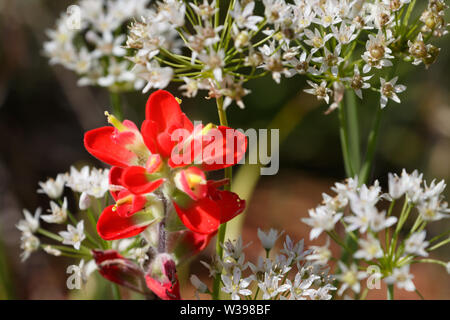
(371, 147)
(353, 131)
(116, 105)
(390, 292)
(223, 226)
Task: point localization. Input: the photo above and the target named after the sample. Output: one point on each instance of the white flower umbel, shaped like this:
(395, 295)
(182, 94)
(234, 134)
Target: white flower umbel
(74, 235)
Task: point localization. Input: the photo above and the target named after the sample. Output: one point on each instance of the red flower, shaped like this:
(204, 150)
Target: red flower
(168, 150)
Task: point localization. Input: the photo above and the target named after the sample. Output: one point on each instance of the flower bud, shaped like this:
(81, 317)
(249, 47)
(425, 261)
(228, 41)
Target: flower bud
(85, 201)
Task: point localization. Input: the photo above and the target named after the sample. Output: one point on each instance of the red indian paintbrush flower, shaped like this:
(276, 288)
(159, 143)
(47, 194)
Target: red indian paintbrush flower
(168, 156)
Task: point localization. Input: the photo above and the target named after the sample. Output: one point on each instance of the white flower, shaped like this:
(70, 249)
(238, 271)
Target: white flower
(321, 219)
(235, 285)
(243, 17)
(271, 288)
(416, 244)
(320, 254)
(157, 77)
(330, 60)
(74, 236)
(31, 223)
(321, 293)
(350, 278)
(28, 243)
(53, 188)
(268, 239)
(358, 82)
(433, 209)
(300, 287)
(320, 91)
(402, 278)
(58, 214)
(377, 53)
(389, 90)
(198, 284)
(345, 34)
(397, 185)
(294, 252)
(316, 40)
(370, 248)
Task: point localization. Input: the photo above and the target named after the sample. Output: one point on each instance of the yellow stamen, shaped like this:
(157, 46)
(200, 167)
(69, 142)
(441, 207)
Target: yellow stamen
(179, 100)
(115, 122)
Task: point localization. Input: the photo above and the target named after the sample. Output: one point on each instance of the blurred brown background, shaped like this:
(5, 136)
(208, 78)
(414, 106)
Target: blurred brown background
(43, 116)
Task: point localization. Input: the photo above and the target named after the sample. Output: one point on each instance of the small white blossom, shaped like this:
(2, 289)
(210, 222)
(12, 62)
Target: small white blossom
(235, 285)
(74, 236)
(389, 90)
(370, 248)
(31, 223)
(53, 188)
(58, 213)
(401, 278)
(321, 219)
(416, 244)
(268, 239)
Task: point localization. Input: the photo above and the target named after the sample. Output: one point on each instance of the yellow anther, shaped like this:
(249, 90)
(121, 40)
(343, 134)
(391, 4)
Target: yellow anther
(179, 100)
(115, 122)
(194, 179)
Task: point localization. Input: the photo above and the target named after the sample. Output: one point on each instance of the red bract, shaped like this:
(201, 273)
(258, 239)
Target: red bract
(167, 150)
(165, 285)
(115, 268)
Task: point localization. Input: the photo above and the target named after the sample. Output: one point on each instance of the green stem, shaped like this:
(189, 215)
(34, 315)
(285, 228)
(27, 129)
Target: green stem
(116, 105)
(353, 131)
(371, 146)
(223, 226)
(344, 141)
(390, 292)
(116, 291)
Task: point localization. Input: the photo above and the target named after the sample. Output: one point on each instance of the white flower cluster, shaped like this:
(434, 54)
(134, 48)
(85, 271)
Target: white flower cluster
(290, 274)
(80, 237)
(86, 183)
(187, 42)
(356, 208)
(89, 41)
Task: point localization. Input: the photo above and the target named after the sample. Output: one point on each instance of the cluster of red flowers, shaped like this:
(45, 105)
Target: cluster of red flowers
(149, 183)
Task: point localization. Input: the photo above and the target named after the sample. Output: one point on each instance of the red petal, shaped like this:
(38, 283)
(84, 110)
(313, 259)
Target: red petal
(111, 226)
(196, 241)
(165, 110)
(201, 216)
(136, 181)
(197, 190)
(229, 202)
(125, 210)
(165, 291)
(115, 181)
(230, 148)
(101, 144)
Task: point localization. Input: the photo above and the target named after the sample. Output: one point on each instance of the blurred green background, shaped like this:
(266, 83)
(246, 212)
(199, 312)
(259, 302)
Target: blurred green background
(43, 116)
